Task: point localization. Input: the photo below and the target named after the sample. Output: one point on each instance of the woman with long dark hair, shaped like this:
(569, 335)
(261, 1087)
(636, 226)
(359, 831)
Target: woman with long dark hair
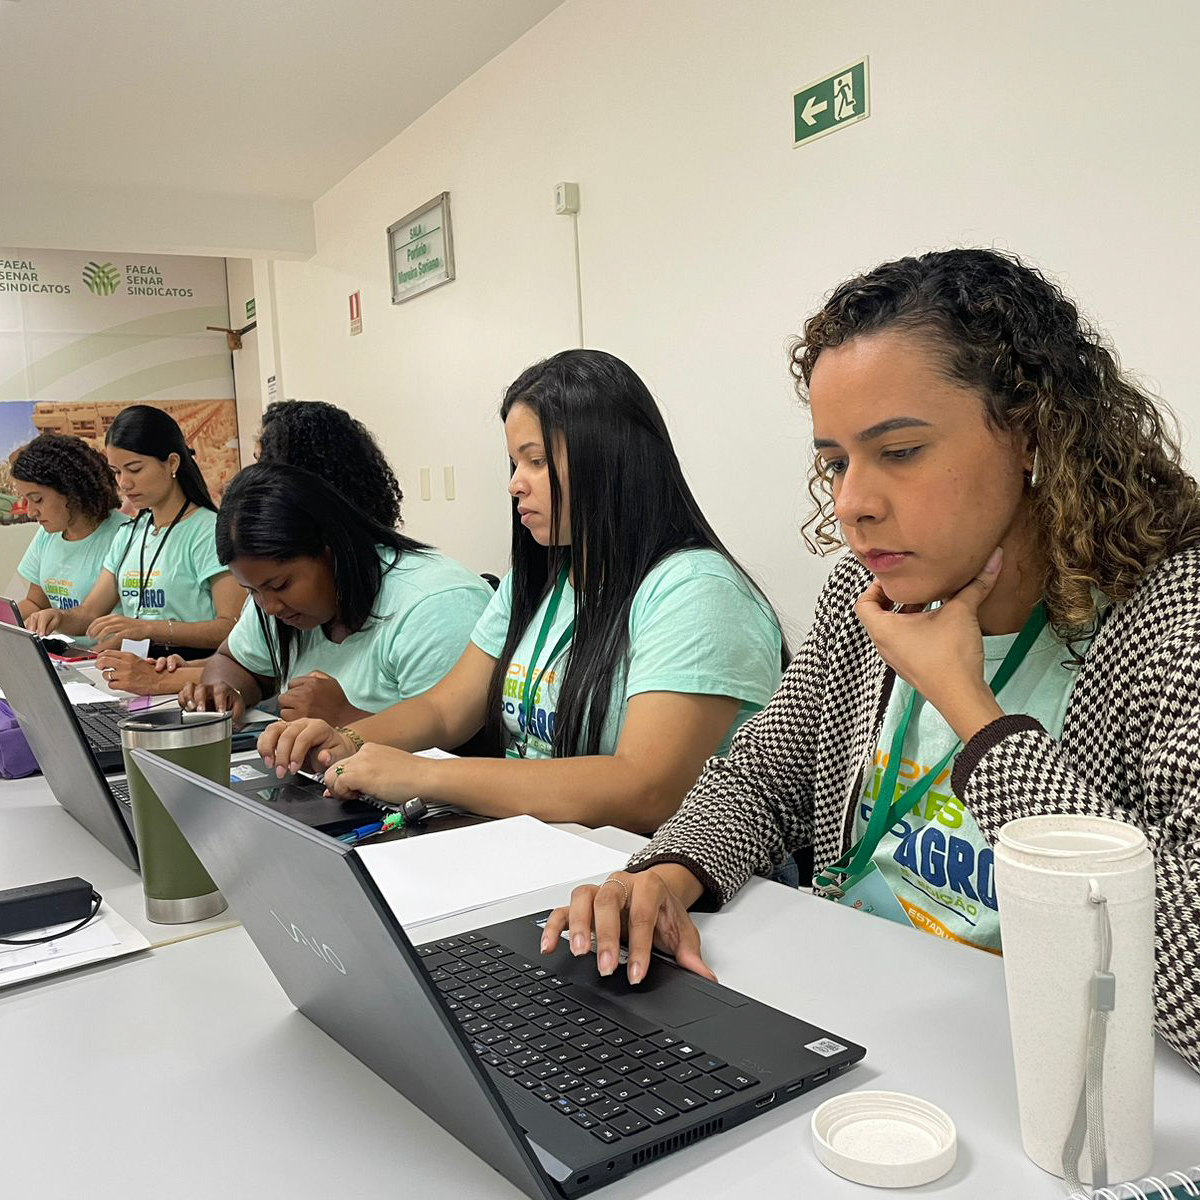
(161, 569)
(349, 615)
(316, 437)
(1014, 631)
(621, 650)
(68, 489)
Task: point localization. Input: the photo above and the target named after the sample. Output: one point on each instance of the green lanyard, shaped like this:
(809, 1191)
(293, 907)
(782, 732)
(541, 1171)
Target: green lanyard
(884, 815)
(530, 687)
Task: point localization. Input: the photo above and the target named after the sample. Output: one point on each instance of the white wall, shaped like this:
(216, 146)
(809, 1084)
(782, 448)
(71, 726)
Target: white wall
(1064, 131)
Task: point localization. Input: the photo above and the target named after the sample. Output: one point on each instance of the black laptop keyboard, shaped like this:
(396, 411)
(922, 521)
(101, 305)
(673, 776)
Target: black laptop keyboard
(608, 1079)
(101, 724)
(120, 789)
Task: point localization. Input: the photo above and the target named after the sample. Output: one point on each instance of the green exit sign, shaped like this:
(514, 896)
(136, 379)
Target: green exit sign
(832, 103)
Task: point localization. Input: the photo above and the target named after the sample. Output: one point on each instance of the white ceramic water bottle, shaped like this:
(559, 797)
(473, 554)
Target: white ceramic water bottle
(1056, 879)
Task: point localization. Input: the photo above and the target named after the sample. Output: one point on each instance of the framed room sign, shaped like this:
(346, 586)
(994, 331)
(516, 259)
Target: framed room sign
(421, 250)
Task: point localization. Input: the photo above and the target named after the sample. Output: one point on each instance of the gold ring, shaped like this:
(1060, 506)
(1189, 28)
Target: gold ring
(621, 884)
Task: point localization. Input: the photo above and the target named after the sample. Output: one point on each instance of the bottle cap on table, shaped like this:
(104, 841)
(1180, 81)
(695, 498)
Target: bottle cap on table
(884, 1139)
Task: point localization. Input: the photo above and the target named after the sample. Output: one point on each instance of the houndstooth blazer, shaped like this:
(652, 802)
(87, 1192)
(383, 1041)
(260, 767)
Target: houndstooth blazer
(1130, 749)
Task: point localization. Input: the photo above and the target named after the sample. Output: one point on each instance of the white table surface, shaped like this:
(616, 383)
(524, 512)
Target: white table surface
(40, 841)
(193, 1076)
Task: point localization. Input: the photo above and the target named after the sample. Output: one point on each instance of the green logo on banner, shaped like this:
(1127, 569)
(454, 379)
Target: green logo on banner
(101, 278)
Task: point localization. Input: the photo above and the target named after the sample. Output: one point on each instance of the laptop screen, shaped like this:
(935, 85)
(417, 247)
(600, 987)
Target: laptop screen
(10, 614)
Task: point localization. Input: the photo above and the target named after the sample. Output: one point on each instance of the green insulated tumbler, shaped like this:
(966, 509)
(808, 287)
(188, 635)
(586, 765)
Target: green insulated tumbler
(178, 889)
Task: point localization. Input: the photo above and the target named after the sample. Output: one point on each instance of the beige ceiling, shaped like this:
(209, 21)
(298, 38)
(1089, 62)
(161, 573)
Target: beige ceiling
(248, 103)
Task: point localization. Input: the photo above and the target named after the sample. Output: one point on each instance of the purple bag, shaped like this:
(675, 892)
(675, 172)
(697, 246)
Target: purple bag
(16, 758)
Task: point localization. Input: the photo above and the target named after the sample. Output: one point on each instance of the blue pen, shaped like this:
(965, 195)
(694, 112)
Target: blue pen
(363, 831)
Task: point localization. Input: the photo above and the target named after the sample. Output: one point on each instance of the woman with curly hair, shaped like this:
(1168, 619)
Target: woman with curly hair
(69, 491)
(323, 438)
(1012, 503)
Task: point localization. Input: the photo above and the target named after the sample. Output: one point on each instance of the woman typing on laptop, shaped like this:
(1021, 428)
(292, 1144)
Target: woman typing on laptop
(348, 614)
(317, 437)
(69, 491)
(1017, 516)
(622, 649)
(161, 571)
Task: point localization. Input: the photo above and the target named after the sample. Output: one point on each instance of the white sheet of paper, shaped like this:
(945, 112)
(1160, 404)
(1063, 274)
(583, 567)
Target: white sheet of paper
(84, 693)
(140, 648)
(441, 874)
(108, 936)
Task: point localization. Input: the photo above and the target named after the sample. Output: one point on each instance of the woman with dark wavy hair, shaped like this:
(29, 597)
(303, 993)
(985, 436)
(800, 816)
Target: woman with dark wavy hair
(1016, 515)
(323, 438)
(69, 491)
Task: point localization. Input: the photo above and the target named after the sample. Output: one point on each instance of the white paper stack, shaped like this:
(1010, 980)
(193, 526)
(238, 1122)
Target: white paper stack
(443, 874)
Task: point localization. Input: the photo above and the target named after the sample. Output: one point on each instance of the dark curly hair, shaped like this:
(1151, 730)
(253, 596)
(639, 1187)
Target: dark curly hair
(329, 442)
(1112, 499)
(71, 467)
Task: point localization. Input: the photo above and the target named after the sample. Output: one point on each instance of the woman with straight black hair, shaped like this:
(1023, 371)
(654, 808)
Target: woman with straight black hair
(622, 650)
(349, 615)
(316, 437)
(161, 568)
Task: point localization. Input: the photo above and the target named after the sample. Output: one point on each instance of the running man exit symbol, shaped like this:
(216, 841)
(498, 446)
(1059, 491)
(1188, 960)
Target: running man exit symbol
(831, 103)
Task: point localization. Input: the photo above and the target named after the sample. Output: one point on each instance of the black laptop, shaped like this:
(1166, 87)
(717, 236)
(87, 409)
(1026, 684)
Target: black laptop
(25, 665)
(100, 803)
(559, 1079)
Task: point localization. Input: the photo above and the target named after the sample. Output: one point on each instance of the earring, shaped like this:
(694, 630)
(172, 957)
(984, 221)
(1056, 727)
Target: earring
(1035, 471)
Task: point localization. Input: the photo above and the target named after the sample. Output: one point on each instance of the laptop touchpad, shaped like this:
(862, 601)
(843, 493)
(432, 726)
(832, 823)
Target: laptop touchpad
(664, 995)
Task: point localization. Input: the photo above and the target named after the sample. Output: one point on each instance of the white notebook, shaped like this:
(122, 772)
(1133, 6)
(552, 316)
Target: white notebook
(442, 874)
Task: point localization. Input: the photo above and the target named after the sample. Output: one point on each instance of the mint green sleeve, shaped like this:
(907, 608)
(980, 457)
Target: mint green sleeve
(202, 551)
(115, 554)
(703, 633)
(492, 629)
(430, 639)
(247, 645)
(30, 566)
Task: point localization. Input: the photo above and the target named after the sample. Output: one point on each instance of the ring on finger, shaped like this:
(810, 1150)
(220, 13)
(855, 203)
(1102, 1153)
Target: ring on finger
(621, 884)
(339, 770)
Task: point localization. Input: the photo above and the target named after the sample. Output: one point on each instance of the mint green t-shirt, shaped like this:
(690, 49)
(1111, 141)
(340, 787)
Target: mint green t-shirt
(179, 587)
(425, 611)
(696, 626)
(935, 862)
(67, 571)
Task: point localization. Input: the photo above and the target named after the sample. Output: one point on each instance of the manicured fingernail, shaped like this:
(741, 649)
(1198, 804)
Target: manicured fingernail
(635, 972)
(267, 759)
(293, 768)
(547, 942)
(279, 772)
(993, 563)
(578, 944)
(607, 962)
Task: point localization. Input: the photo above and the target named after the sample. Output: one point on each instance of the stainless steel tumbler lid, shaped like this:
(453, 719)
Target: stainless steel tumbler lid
(174, 729)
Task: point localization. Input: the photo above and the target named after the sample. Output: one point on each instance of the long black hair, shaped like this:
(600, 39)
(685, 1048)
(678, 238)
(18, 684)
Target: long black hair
(630, 508)
(141, 429)
(72, 468)
(328, 441)
(280, 512)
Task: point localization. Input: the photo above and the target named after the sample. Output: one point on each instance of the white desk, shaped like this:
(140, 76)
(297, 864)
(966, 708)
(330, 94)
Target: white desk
(39, 840)
(196, 1078)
